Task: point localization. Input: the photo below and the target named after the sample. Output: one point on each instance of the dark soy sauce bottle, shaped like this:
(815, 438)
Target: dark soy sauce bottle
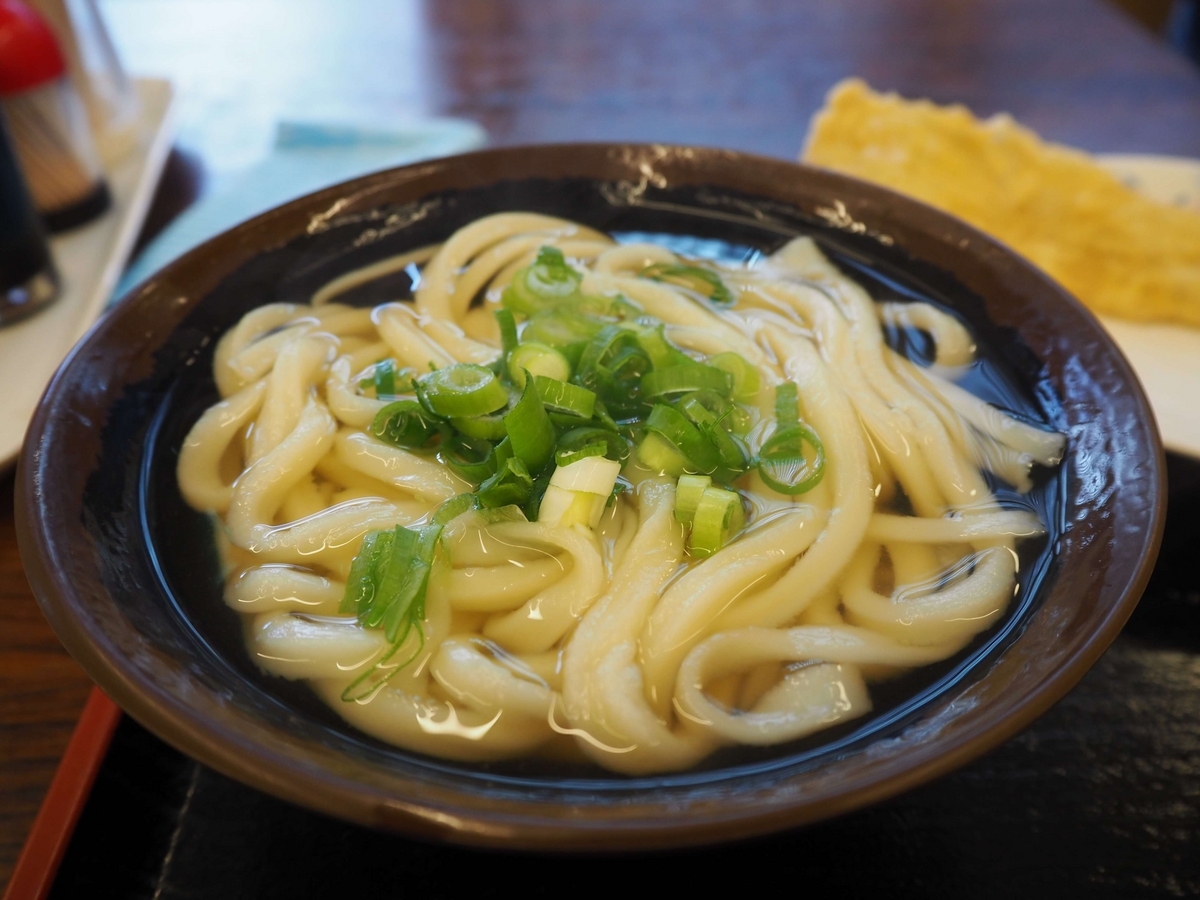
(28, 281)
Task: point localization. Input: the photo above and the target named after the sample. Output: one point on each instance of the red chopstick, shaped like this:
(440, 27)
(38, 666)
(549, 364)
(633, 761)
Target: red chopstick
(51, 831)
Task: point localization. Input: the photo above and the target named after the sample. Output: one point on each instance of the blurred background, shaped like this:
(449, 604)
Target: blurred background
(628, 69)
(745, 75)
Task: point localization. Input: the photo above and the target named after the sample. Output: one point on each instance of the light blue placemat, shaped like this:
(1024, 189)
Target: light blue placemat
(306, 156)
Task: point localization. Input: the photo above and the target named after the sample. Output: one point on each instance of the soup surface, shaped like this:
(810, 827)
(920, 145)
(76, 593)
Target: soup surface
(630, 499)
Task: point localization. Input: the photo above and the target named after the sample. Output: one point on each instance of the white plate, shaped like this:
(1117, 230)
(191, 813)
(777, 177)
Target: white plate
(1165, 357)
(89, 261)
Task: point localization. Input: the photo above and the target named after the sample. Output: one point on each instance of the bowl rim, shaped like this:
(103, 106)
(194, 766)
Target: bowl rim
(543, 825)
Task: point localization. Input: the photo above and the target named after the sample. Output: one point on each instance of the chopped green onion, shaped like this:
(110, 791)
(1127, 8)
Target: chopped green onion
(718, 517)
(545, 284)
(602, 417)
(540, 484)
(699, 455)
(389, 576)
(687, 496)
(503, 452)
(487, 428)
(745, 376)
(452, 509)
(561, 420)
(463, 389)
(563, 329)
(705, 408)
(407, 424)
(599, 306)
(511, 485)
(565, 458)
(360, 585)
(593, 475)
(681, 379)
(509, 513)
(573, 441)
(386, 381)
(608, 341)
(563, 508)
(473, 459)
(782, 463)
(787, 406)
(709, 411)
(559, 396)
(508, 336)
(578, 493)
(401, 562)
(397, 564)
(612, 366)
(740, 420)
(537, 359)
(694, 278)
(653, 339)
(660, 456)
(530, 431)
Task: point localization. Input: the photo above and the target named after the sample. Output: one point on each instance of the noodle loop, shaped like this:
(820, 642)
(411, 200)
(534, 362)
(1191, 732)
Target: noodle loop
(716, 506)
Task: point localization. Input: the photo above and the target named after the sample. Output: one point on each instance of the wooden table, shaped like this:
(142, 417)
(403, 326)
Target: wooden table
(745, 75)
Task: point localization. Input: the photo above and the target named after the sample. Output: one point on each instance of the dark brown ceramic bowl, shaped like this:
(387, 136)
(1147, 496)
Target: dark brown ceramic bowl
(126, 574)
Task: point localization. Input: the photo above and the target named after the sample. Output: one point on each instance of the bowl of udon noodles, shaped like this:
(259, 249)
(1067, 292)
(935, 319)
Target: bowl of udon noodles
(592, 497)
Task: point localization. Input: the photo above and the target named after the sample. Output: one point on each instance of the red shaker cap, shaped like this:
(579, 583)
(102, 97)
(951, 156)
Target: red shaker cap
(29, 52)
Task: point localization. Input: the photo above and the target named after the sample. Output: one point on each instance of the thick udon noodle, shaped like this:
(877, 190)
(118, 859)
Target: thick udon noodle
(613, 643)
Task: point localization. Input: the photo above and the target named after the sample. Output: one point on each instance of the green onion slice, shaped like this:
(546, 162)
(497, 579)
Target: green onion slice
(510, 513)
(787, 406)
(398, 564)
(503, 452)
(540, 483)
(559, 396)
(463, 389)
(473, 459)
(487, 428)
(653, 339)
(511, 485)
(508, 336)
(360, 586)
(387, 381)
(694, 278)
(705, 408)
(539, 360)
(407, 424)
(452, 509)
(530, 431)
(688, 490)
(712, 414)
(681, 379)
(566, 457)
(659, 455)
(545, 284)
(699, 454)
(602, 418)
(562, 329)
(612, 366)
(575, 440)
(785, 467)
(718, 517)
(745, 376)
